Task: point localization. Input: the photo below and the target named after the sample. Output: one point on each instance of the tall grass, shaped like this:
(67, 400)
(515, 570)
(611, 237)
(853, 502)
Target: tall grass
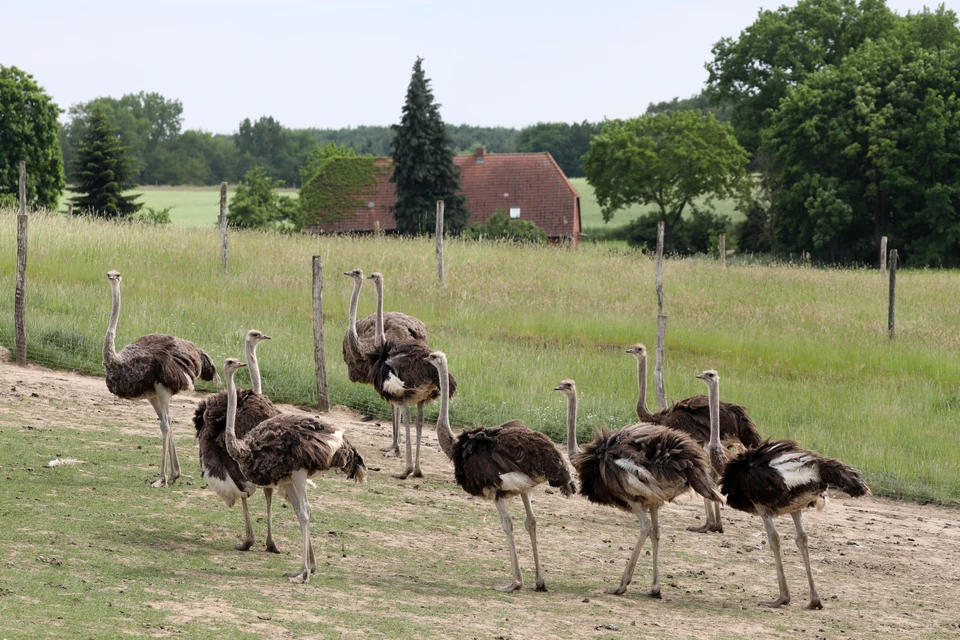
(804, 349)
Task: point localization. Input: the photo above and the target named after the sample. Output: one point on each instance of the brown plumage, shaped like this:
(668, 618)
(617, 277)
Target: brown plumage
(778, 478)
(283, 452)
(500, 462)
(638, 469)
(154, 367)
(222, 472)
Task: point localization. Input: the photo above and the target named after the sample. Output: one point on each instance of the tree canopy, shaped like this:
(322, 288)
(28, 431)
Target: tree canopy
(257, 205)
(28, 132)
(424, 171)
(669, 160)
(565, 142)
(102, 170)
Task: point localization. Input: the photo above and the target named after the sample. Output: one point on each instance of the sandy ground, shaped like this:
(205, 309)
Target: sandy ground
(883, 568)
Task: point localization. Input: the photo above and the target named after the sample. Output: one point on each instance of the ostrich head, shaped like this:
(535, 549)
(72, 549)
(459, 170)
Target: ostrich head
(113, 276)
(356, 274)
(437, 359)
(638, 351)
(255, 336)
(230, 365)
(568, 387)
(710, 376)
(377, 277)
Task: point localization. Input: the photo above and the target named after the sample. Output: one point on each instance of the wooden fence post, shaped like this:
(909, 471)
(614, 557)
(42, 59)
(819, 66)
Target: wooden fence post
(883, 255)
(319, 357)
(223, 226)
(376, 229)
(893, 292)
(661, 324)
(723, 249)
(19, 301)
(440, 241)
(70, 209)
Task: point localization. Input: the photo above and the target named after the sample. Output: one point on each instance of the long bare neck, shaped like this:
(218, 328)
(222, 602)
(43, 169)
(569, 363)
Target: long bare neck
(378, 336)
(235, 447)
(354, 303)
(444, 432)
(713, 391)
(109, 347)
(572, 447)
(642, 411)
(254, 366)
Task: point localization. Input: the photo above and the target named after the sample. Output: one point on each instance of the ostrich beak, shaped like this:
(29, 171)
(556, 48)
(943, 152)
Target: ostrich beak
(266, 337)
(557, 389)
(701, 376)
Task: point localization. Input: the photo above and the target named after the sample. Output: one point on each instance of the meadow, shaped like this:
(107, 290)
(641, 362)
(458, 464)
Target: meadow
(805, 349)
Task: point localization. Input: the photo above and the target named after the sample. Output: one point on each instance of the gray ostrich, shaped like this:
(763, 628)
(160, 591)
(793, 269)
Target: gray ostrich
(500, 462)
(221, 471)
(155, 367)
(284, 452)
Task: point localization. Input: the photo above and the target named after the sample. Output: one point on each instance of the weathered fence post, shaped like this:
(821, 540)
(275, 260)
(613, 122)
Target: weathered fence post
(376, 229)
(723, 249)
(319, 357)
(70, 209)
(223, 226)
(440, 241)
(661, 324)
(19, 301)
(883, 255)
(893, 292)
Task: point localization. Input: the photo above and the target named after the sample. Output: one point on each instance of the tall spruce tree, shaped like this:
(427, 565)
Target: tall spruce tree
(103, 171)
(424, 171)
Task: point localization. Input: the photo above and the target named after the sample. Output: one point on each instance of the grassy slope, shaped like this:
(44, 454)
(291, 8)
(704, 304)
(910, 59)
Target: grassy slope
(805, 349)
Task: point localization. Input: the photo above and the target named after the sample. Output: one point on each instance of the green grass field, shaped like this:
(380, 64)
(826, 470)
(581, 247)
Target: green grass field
(804, 349)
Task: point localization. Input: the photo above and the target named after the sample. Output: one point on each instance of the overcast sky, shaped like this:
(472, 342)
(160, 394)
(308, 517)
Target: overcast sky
(337, 63)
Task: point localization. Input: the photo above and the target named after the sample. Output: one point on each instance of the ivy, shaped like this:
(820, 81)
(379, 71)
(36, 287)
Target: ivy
(340, 187)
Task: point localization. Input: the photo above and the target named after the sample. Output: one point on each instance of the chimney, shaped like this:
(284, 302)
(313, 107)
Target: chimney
(479, 155)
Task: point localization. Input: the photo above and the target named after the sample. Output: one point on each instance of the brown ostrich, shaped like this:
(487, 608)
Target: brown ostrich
(500, 462)
(155, 367)
(221, 471)
(778, 478)
(638, 469)
(692, 416)
(284, 452)
(359, 343)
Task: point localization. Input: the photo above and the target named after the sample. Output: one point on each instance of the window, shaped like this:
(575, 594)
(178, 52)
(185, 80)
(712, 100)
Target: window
(514, 212)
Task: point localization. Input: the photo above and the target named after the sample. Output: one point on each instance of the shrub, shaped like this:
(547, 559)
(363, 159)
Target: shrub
(696, 234)
(149, 215)
(500, 227)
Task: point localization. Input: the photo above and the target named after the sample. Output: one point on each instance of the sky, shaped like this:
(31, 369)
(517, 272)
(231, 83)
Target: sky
(339, 63)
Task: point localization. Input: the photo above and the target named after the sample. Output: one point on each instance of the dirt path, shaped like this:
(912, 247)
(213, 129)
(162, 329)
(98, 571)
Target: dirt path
(883, 568)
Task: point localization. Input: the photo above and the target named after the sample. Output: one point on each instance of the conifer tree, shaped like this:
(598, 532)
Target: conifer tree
(424, 171)
(103, 171)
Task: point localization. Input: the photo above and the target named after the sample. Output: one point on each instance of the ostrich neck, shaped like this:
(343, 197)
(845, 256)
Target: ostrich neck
(642, 411)
(236, 448)
(254, 366)
(714, 400)
(354, 303)
(572, 447)
(444, 432)
(378, 336)
(109, 348)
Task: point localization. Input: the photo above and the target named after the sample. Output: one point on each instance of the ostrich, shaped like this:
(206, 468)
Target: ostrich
(569, 389)
(283, 452)
(155, 367)
(499, 462)
(692, 416)
(403, 378)
(222, 473)
(359, 343)
(778, 478)
(638, 469)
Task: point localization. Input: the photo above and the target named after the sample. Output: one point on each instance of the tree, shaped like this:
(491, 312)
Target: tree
(699, 102)
(28, 131)
(424, 171)
(256, 205)
(565, 142)
(102, 171)
(668, 159)
(320, 156)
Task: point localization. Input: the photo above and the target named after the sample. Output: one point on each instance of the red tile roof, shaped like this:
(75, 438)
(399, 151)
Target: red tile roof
(530, 182)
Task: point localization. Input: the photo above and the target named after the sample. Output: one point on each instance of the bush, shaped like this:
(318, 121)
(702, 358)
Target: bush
(500, 227)
(149, 215)
(697, 234)
(256, 206)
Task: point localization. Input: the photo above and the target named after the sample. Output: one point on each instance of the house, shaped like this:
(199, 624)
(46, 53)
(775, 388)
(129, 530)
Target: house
(527, 186)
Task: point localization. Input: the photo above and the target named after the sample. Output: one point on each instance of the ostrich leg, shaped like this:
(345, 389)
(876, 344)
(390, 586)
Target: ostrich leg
(531, 526)
(157, 403)
(405, 413)
(507, 523)
(393, 451)
(805, 552)
(271, 545)
(773, 538)
(709, 524)
(637, 549)
(416, 464)
(655, 554)
(297, 495)
(247, 541)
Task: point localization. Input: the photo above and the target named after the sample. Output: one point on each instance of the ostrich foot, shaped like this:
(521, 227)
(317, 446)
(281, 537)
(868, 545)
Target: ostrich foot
(707, 528)
(244, 545)
(655, 592)
(513, 586)
(299, 577)
(782, 600)
(618, 591)
(161, 482)
(541, 586)
(403, 476)
(815, 604)
(417, 473)
(173, 477)
(271, 546)
(393, 451)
